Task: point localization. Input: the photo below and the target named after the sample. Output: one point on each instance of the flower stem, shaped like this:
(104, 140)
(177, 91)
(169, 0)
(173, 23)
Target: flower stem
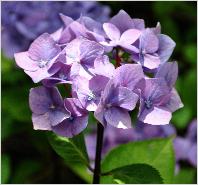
(97, 170)
(118, 59)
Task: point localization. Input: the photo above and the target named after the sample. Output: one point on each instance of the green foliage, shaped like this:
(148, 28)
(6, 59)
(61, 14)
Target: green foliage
(15, 92)
(137, 174)
(81, 171)
(185, 176)
(190, 53)
(5, 168)
(71, 150)
(156, 152)
(187, 89)
(74, 153)
(26, 172)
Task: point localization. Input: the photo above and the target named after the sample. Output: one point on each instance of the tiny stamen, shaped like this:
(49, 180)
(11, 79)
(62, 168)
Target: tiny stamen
(42, 63)
(91, 96)
(148, 103)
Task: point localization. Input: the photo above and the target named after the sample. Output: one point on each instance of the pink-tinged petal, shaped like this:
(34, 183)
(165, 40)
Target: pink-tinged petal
(71, 128)
(95, 36)
(106, 44)
(78, 29)
(73, 31)
(168, 71)
(73, 51)
(24, 61)
(89, 51)
(155, 116)
(40, 122)
(126, 98)
(149, 41)
(74, 106)
(129, 48)
(81, 87)
(92, 106)
(157, 29)
(130, 36)
(57, 34)
(75, 70)
(67, 35)
(38, 75)
(139, 24)
(118, 117)
(128, 75)
(166, 47)
(122, 21)
(44, 48)
(151, 61)
(66, 20)
(174, 102)
(112, 31)
(85, 72)
(103, 67)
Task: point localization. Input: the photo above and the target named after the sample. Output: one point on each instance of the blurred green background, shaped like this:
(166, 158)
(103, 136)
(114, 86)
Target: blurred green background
(26, 154)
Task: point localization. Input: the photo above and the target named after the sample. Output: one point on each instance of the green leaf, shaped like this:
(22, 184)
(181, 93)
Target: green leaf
(81, 171)
(182, 117)
(72, 150)
(190, 53)
(74, 153)
(5, 168)
(185, 176)
(137, 174)
(158, 153)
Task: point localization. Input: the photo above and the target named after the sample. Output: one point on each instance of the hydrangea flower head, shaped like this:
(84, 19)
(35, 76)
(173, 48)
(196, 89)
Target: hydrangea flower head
(79, 56)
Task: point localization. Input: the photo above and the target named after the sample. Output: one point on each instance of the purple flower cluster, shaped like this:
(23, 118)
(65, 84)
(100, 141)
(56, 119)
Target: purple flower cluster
(22, 22)
(78, 55)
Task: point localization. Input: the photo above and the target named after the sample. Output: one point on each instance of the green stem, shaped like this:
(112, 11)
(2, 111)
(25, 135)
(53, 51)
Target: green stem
(97, 170)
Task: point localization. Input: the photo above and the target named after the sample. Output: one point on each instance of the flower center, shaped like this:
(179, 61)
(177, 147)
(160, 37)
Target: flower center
(148, 103)
(71, 118)
(62, 76)
(52, 107)
(42, 63)
(108, 105)
(91, 96)
(141, 54)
